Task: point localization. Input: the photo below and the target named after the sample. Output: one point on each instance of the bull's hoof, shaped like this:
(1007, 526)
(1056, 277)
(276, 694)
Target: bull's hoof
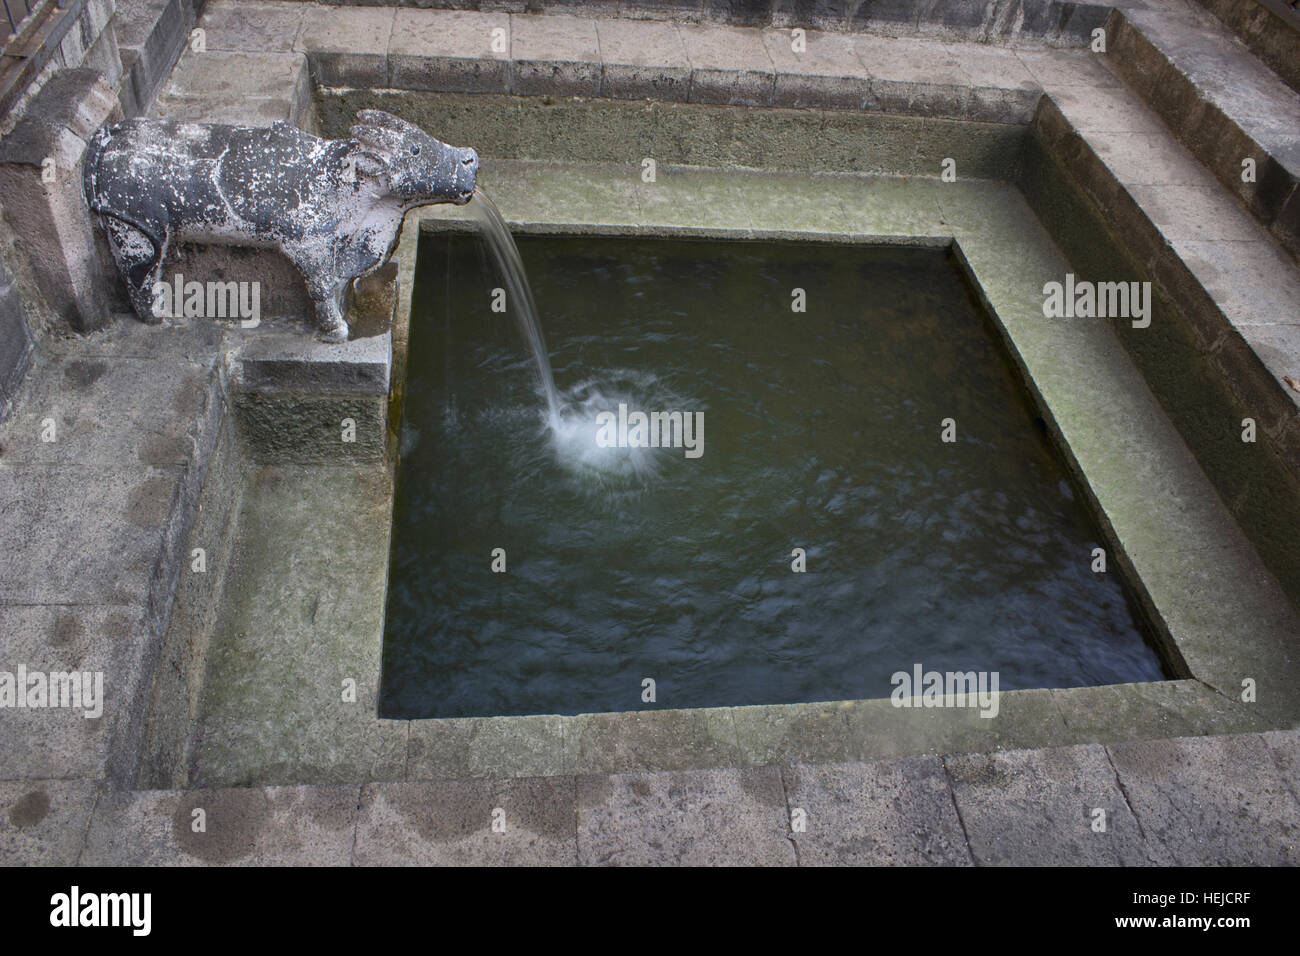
(335, 333)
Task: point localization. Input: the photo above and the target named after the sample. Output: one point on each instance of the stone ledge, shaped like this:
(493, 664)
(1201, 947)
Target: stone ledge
(1267, 35)
(1178, 533)
(220, 86)
(292, 361)
(151, 35)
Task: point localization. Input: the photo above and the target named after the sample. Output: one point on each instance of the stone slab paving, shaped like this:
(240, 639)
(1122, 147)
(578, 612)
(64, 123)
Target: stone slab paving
(529, 822)
(1226, 800)
(890, 813)
(1221, 801)
(305, 826)
(1052, 807)
(698, 818)
(44, 822)
(94, 522)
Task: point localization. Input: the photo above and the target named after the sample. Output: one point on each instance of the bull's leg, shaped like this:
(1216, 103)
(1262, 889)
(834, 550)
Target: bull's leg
(327, 292)
(140, 264)
(328, 296)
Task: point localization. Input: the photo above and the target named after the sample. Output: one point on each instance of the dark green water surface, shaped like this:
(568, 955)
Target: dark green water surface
(822, 432)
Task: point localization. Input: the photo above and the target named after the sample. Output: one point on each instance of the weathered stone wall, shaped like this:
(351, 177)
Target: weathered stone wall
(110, 63)
(41, 194)
(90, 42)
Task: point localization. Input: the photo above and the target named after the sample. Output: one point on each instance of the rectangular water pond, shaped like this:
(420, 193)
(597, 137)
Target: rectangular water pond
(822, 448)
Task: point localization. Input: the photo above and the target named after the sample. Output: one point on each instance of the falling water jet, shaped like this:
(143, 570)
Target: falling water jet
(573, 418)
(506, 253)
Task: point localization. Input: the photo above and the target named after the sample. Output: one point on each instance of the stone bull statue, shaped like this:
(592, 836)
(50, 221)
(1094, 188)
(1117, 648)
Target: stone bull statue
(333, 207)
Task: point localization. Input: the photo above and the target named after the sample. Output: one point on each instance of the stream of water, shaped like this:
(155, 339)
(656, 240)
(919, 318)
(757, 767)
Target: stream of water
(519, 294)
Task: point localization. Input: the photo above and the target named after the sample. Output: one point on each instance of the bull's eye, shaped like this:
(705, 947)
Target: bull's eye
(415, 150)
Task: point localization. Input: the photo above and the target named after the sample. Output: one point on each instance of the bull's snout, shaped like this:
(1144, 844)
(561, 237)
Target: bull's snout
(466, 173)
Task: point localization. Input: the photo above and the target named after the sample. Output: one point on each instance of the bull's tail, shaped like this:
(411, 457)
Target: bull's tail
(102, 204)
(90, 167)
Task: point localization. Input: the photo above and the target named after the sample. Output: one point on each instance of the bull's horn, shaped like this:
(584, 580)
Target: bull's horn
(383, 120)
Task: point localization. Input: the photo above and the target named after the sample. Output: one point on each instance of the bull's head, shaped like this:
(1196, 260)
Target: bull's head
(418, 168)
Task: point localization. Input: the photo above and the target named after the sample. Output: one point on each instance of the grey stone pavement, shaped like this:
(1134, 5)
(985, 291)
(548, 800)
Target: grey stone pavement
(1226, 800)
(92, 527)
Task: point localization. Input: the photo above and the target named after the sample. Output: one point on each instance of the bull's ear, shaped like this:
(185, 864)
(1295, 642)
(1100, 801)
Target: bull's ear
(369, 163)
(380, 140)
(366, 161)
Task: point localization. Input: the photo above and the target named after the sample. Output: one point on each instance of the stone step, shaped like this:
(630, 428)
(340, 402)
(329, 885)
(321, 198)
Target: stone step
(1221, 102)
(1054, 22)
(453, 52)
(151, 35)
(1270, 28)
(244, 87)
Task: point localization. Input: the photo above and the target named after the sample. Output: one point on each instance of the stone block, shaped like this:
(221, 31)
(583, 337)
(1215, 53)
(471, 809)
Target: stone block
(71, 639)
(302, 826)
(886, 813)
(451, 823)
(1039, 808)
(729, 66)
(643, 60)
(1211, 801)
(43, 822)
(695, 818)
(253, 26)
(450, 52)
(825, 75)
(555, 55)
(348, 46)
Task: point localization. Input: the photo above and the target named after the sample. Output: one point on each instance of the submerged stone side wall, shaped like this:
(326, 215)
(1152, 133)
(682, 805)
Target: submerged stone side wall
(168, 730)
(1181, 357)
(607, 131)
